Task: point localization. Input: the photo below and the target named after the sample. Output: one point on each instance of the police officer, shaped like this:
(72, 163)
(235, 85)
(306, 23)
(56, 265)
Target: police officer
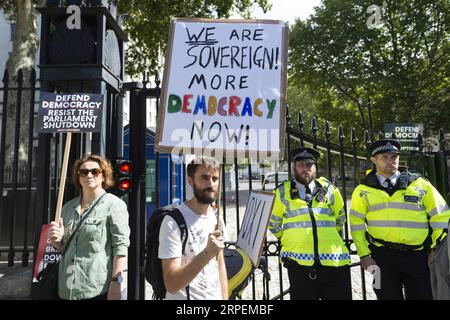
(395, 220)
(308, 216)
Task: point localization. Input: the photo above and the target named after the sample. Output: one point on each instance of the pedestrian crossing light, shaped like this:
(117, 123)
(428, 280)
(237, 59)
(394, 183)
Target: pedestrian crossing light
(122, 177)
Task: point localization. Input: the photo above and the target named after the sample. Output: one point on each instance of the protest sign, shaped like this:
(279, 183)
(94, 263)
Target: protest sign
(224, 88)
(406, 133)
(254, 226)
(70, 112)
(45, 253)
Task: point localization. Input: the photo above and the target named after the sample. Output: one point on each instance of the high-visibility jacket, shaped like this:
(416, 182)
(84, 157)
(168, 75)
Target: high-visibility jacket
(408, 218)
(310, 235)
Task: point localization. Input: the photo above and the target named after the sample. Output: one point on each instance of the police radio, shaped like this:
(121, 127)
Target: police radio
(321, 195)
(403, 180)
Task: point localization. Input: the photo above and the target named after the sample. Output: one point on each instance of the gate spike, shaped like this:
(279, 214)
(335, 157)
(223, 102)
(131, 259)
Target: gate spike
(5, 78)
(354, 138)
(288, 116)
(300, 122)
(341, 135)
(157, 78)
(327, 131)
(314, 128)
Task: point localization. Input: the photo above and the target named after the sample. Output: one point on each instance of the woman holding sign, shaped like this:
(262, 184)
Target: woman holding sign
(93, 235)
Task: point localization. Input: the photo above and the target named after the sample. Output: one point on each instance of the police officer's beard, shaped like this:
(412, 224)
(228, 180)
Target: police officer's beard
(204, 197)
(305, 180)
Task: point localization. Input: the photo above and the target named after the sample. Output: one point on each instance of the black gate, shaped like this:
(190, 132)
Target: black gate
(345, 163)
(17, 167)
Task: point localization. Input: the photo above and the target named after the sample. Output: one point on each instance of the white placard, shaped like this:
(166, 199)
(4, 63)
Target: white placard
(224, 88)
(254, 226)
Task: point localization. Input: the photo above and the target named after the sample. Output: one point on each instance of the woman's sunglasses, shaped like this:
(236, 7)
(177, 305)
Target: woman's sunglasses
(84, 172)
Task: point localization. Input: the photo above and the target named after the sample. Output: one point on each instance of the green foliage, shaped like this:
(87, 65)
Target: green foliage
(147, 24)
(403, 66)
(9, 8)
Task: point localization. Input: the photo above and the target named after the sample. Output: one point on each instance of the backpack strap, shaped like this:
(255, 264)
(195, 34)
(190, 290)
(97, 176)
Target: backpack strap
(176, 215)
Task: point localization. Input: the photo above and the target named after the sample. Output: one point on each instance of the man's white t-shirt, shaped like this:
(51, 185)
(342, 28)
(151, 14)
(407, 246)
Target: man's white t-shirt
(206, 285)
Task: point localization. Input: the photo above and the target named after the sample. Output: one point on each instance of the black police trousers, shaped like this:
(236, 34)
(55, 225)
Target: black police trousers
(400, 270)
(325, 283)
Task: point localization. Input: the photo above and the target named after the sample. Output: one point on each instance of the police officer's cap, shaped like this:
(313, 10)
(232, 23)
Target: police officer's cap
(304, 153)
(384, 146)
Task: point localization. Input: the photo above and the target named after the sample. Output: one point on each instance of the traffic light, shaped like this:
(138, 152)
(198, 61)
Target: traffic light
(122, 177)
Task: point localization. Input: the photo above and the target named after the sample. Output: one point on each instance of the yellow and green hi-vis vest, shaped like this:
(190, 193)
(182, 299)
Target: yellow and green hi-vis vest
(406, 218)
(310, 235)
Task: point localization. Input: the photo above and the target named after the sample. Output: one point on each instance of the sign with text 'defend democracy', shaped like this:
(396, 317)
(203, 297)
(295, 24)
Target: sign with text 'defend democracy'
(70, 112)
(406, 133)
(224, 88)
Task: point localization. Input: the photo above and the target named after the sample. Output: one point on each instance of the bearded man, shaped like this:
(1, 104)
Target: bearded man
(199, 273)
(308, 217)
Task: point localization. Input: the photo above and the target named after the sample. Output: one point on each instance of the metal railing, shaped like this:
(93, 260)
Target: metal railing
(17, 177)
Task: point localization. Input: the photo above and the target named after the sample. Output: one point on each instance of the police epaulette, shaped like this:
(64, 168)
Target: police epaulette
(327, 182)
(280, 185)
(415, 176)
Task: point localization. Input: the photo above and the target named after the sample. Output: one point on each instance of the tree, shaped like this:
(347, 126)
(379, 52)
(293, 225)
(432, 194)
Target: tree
(25, 46)
(147, 24)
(402, 64)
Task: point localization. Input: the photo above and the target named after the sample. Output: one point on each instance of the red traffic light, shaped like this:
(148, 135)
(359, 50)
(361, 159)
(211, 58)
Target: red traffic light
(125, 184)
(125, 167)
(122, 177)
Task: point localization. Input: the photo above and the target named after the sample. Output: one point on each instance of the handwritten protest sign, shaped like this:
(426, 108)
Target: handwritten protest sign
(224, 88)
(74, 112)
(254, 226)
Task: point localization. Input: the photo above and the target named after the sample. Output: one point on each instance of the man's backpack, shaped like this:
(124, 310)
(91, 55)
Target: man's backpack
(153, 265)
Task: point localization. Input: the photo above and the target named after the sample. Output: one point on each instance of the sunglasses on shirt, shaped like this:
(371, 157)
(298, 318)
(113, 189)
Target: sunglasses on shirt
(84, 172)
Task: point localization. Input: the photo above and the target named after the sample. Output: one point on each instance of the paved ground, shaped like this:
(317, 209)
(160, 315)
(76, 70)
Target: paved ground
(14, 281)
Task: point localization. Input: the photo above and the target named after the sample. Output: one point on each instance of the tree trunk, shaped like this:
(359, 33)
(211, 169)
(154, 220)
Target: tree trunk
(23, 56)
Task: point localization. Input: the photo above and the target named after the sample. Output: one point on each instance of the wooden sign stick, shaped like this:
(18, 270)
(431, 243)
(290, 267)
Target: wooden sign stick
(218, 198)
(62, 182)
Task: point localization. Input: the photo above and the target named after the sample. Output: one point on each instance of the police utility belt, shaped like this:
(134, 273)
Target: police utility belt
(399, 246)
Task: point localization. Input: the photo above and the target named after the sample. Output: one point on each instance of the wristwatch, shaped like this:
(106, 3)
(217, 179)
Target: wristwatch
(118, 279)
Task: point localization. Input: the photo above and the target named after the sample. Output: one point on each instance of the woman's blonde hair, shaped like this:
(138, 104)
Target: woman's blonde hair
(105, 165)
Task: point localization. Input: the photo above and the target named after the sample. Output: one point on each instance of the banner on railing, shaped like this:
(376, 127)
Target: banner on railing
(224, 88)
(406, 133)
